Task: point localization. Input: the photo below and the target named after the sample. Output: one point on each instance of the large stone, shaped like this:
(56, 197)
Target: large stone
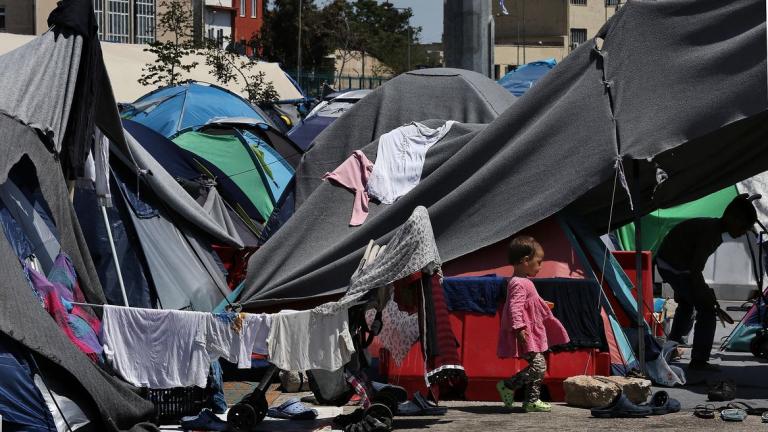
(587, 392)
(636, 390)
(590, 392)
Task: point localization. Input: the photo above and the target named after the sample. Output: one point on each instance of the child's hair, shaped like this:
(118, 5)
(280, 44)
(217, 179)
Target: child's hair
(521, 247)
(741, 210)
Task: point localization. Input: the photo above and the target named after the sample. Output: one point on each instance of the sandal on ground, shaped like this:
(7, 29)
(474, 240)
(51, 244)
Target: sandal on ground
(292, 409)
(754, 411)
(704, 411)
(661, 404)
(621, 407)
(507, 395)
(764, 417)
(733, 415)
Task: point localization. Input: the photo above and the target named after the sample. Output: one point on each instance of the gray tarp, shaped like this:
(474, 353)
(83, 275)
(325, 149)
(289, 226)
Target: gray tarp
(210, 219)
(21, 316)
(454, 94)
(184, 273)
(701, 118)
(37, 82)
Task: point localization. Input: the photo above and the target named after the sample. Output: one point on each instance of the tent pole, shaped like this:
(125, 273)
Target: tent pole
(639, 266)
(114, 254)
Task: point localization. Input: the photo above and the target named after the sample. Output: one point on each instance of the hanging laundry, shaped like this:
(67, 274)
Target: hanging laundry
(168, 348)
(353, 174)
(444, 371)
(399, 332)
(234, 336)
(400, 160)
(480, 294)
(305, 340)
(97, 168)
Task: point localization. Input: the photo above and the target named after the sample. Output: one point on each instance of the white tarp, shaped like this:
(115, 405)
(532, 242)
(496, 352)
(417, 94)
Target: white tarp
(125, 62)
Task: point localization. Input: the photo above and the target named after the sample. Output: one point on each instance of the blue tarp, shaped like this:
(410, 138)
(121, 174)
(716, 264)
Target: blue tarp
(310, 128)
(524, 77)
(172, 109)
(21, 404)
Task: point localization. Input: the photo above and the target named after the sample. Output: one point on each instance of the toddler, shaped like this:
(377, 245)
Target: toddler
(528, 327)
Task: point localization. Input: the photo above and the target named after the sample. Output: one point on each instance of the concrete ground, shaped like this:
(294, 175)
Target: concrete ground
(747, 373)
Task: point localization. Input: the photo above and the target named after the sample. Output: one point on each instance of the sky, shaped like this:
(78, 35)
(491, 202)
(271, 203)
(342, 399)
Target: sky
(427, 14)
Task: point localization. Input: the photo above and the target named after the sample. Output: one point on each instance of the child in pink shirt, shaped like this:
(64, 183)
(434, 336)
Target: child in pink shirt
(528, 327)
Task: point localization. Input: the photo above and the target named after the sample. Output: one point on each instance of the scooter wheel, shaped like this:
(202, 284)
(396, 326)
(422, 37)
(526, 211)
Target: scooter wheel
(242, 418)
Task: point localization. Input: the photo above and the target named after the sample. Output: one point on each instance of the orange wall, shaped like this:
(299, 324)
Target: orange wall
(245, 26)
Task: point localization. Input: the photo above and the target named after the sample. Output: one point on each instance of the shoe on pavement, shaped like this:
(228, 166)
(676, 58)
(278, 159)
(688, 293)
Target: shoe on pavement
(538, 406)
(722, 391)
(507, 394)
(703, 366)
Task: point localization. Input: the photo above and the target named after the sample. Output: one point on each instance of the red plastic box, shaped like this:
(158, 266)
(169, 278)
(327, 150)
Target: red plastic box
(478, 338)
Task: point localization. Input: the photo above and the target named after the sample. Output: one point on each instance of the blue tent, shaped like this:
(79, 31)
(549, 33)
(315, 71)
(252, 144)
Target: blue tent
(171, 109)
(524, 77)
(21, 404)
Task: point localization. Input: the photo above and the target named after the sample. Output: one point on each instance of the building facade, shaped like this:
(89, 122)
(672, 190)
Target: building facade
(228, 22)
(542, 29)
(17, 16)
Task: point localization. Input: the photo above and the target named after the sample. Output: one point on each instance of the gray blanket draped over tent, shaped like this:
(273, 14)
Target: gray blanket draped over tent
(701, 119)
(21, 317)
(452, 94)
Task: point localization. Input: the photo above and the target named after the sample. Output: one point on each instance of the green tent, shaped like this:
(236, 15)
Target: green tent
(657, 224)
(242, 163)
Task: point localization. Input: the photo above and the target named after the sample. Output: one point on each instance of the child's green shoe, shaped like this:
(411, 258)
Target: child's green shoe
(538, 406)
(507, 395)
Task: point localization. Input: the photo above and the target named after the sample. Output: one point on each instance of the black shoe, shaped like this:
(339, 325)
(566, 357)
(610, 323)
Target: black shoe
(621, 407)
(344, 420)
(377, 418)
(722, 391)
(703, 366)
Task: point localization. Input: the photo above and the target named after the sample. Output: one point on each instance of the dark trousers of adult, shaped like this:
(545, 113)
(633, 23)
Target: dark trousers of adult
(690, 298)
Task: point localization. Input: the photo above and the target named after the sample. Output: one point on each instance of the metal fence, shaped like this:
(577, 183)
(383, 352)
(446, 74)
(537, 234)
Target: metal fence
(312, 83)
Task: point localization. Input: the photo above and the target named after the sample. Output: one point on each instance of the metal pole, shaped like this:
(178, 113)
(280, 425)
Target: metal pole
(410, 38)
(114, 255)
(639, 266)
(298, 62)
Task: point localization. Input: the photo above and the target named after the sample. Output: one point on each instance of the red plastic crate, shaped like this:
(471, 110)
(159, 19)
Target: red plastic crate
(478, 337)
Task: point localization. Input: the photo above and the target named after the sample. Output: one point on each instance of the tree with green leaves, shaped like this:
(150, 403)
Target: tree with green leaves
(169, 56)
(229, 67)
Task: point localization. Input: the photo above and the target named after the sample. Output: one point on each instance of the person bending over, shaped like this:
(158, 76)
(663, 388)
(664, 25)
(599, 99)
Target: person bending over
(681, 260)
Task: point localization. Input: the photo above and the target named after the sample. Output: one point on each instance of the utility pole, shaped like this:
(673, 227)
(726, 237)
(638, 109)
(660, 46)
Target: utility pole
(298, 62)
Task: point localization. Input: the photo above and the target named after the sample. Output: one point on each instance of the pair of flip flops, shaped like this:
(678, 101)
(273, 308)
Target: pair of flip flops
(292, 409)
(420, 406)
(734, 412)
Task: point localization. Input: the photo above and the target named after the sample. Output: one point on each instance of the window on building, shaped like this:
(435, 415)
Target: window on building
(242, 8)
(254, 8)
(220, 38)
(578, 36)
(98, 10)
(2, 17)
(579, 2)
(496, 71)
(117, 21)
(510, 68)
(144, 24)
(611, 2)
(211, 36)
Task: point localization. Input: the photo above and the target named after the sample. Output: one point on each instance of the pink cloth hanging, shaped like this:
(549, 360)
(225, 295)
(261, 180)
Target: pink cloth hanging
(353, 174)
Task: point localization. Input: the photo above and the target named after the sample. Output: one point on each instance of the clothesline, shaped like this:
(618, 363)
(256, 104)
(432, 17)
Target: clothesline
(133, 307)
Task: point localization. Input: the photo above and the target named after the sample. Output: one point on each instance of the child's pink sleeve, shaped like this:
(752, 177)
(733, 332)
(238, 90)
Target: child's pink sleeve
(516, 304)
